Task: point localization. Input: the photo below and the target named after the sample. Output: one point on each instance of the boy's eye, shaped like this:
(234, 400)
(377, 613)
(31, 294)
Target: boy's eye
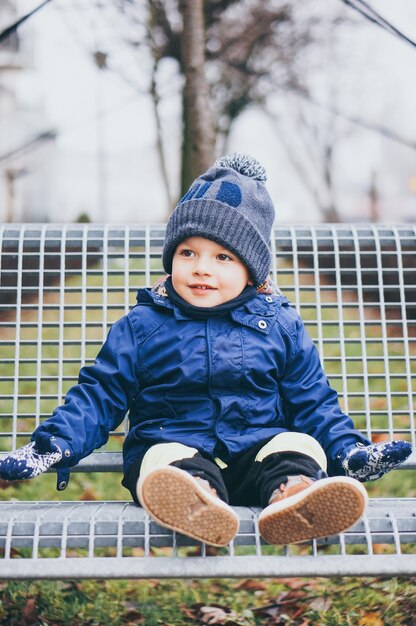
(186, 253)
(224, 257)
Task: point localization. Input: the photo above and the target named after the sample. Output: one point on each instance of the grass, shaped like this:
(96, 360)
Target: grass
(292, 602)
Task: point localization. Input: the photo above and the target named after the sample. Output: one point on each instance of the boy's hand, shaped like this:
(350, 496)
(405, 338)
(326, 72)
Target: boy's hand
(371, 462)
(28, 462)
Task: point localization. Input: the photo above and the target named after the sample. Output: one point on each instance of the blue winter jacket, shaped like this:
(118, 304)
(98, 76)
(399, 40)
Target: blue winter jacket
(220, 385)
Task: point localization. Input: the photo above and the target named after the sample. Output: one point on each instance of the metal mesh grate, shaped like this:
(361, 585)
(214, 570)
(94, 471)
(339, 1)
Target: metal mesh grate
(355, 288)
(61, 288)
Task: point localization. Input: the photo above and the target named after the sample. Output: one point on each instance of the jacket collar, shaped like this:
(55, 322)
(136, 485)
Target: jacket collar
(259, 313)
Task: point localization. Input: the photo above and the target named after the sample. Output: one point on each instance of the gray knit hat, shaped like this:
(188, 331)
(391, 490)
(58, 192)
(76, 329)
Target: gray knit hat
(230, 205)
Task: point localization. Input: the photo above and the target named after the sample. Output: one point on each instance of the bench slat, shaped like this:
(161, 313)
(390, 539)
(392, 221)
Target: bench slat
(66, 527)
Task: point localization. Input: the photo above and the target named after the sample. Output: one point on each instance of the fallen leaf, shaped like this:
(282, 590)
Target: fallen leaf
(293, 595)
(6, 484)
(295, 583)
(88, 494)
(131, 612)
(289, 605)
(217, 589)
(377, 437)
(190, 612)
(371, 619)
(251, 585)
(213, 614)
(269, 610)
(320, 604)
(29, 613)
(380, 548)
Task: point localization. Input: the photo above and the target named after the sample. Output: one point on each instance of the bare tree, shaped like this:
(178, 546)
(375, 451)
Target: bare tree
(152, 44)
(310, 144)
(198, 147)
(252, 50)
(232, 55)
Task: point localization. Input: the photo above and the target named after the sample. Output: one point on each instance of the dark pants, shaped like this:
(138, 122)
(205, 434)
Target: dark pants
(245, 482)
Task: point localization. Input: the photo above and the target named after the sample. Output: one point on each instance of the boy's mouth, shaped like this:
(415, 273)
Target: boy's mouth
(202, 287)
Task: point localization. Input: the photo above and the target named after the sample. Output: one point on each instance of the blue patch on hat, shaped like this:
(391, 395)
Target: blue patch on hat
(196, 191)
(201, 192)
(189, 194)
(229, 193)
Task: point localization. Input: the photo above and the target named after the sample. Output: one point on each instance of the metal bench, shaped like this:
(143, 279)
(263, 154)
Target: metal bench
(61, 287)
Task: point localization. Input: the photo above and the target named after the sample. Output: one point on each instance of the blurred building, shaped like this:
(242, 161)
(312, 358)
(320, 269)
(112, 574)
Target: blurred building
(397, 184)
(26, 141)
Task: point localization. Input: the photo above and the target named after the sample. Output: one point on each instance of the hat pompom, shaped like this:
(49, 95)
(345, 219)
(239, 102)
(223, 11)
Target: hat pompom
(243, 164)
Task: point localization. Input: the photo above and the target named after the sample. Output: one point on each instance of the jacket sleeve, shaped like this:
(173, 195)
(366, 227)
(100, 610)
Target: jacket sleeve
(311, 406)
(100, 400)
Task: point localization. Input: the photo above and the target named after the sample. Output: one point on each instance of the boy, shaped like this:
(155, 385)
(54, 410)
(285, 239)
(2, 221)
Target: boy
(226, 395)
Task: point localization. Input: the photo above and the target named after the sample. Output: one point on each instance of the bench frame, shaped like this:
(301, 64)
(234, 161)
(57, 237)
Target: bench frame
(61, 287)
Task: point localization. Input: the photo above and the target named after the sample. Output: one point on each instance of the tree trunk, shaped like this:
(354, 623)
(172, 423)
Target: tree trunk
(198, 147)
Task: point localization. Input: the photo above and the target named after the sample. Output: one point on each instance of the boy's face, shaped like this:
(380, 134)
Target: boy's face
(206, 274)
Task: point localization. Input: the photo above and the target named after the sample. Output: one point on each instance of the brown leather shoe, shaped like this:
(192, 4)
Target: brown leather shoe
(294, 485)
(305, 509)
(187, 504)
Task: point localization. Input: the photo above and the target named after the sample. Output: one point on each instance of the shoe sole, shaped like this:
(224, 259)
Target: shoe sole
(326, 508)
(175, 500)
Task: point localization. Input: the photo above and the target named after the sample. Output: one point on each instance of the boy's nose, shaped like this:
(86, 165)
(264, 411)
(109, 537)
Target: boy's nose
(201, 266)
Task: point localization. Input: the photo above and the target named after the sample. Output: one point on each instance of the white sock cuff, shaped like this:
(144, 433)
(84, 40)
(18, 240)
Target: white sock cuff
(294, 442)
(163, 454)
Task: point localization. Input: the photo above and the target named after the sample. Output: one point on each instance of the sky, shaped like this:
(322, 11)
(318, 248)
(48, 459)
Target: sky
(106, 130)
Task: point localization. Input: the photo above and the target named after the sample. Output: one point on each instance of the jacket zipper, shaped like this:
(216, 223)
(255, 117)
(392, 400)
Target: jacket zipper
(214, 397)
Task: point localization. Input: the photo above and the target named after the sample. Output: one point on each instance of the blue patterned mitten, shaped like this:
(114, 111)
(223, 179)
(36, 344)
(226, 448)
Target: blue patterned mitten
(28, 462)
(372, 462)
